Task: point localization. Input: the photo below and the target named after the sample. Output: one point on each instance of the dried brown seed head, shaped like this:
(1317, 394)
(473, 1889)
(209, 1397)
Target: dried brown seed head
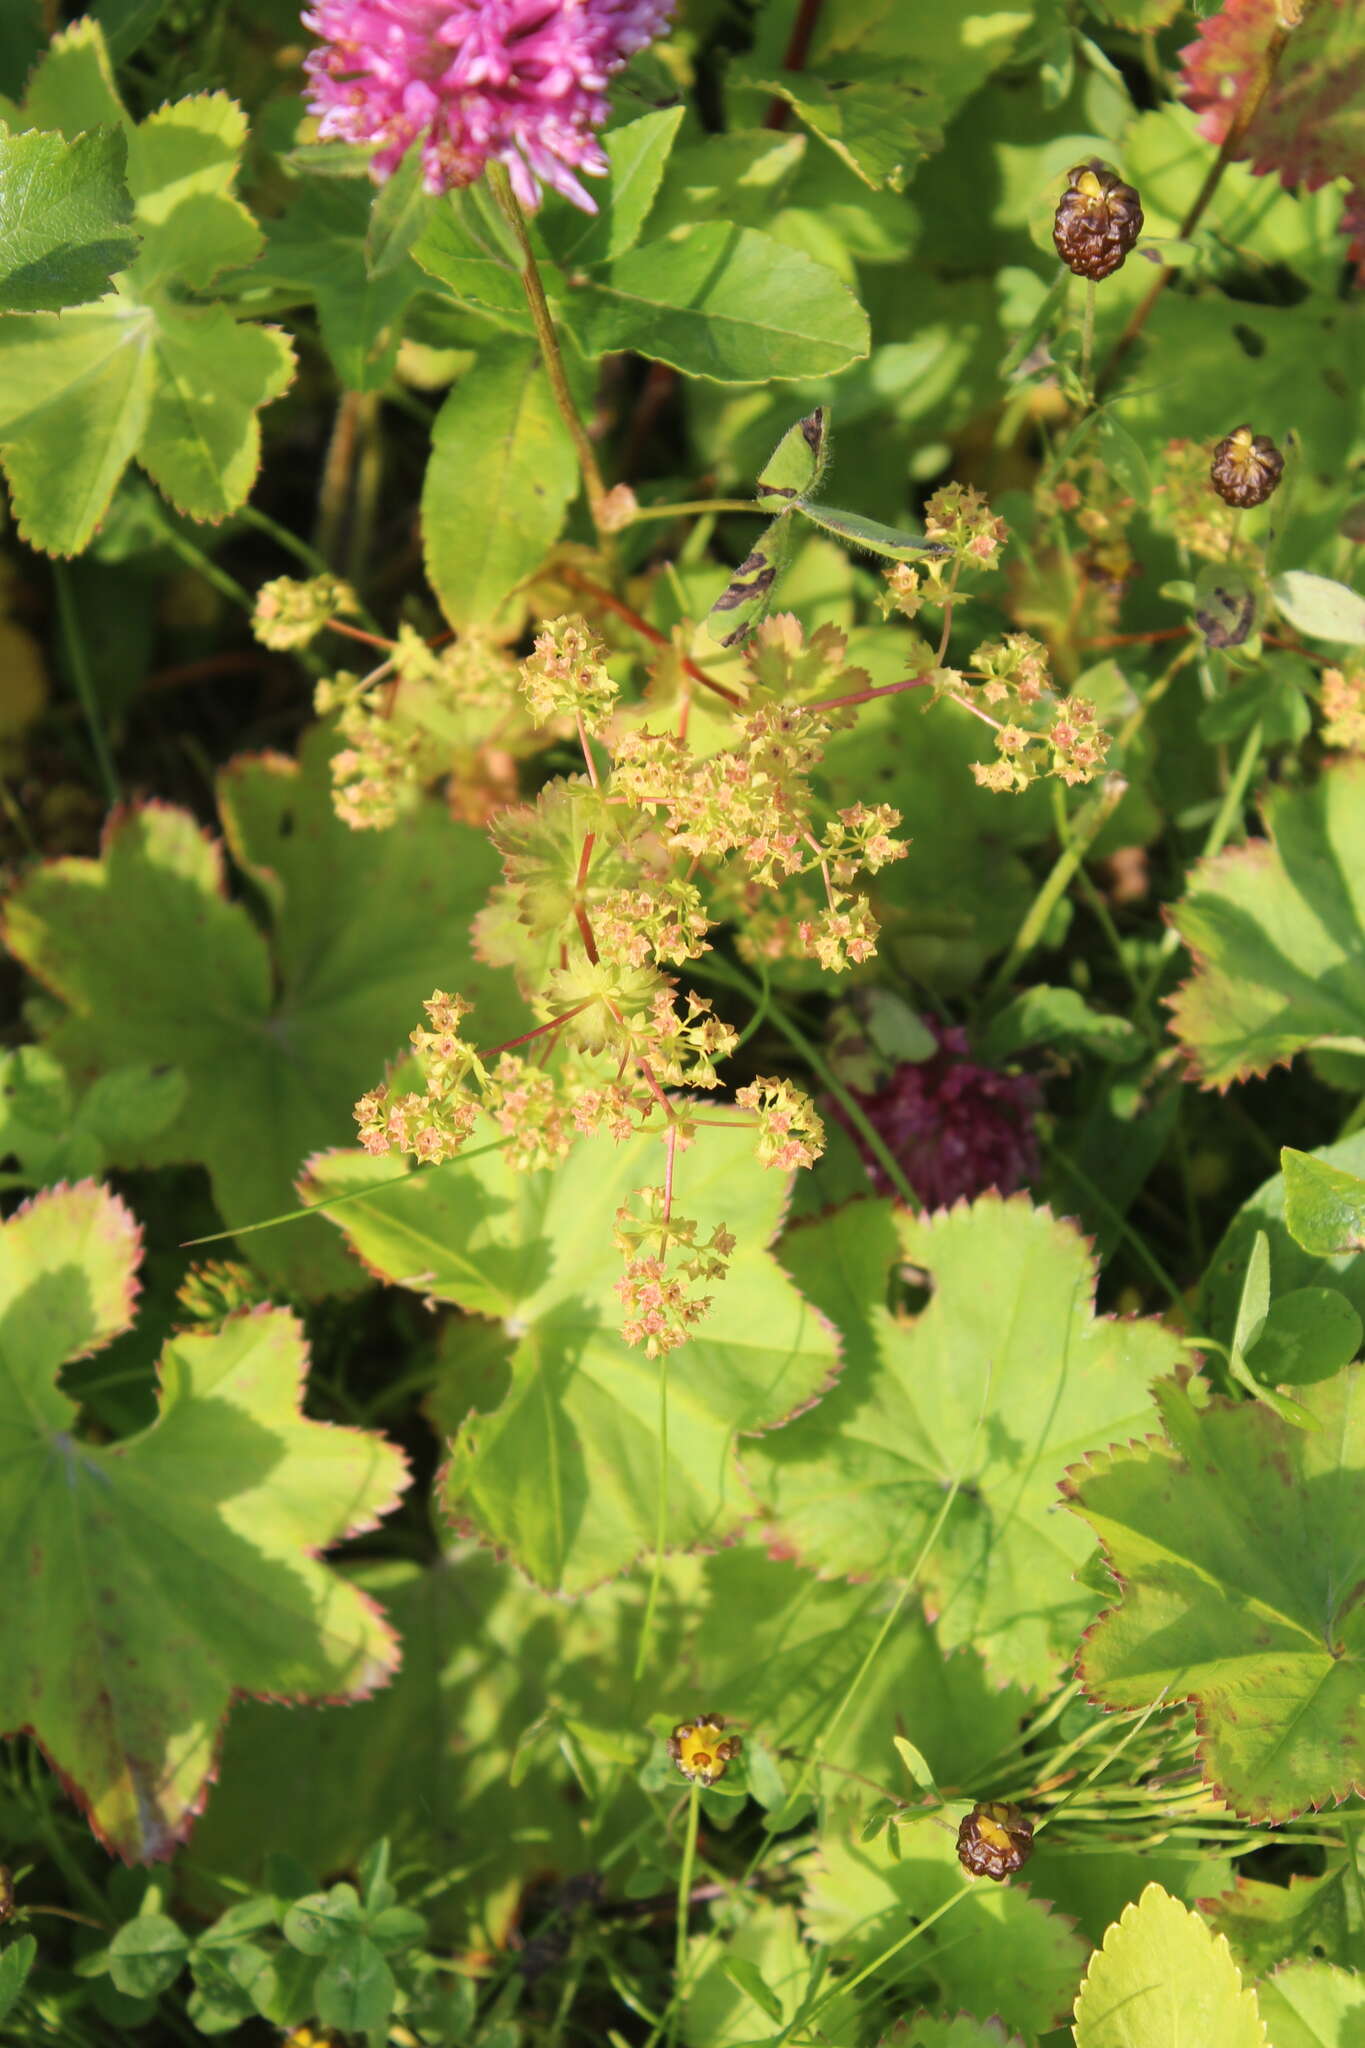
(1246, 467)
(1098, 220)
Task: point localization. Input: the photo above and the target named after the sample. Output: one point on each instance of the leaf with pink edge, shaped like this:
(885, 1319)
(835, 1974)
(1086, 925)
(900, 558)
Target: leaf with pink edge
(276, 1032)
(148, 1580)
(1277, 930)
(1310, 126)
(1000, 1382)
(1240, 1547)
(563, 1471)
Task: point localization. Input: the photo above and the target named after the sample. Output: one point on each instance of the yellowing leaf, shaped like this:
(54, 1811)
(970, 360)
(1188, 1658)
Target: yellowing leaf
(1162, 1980)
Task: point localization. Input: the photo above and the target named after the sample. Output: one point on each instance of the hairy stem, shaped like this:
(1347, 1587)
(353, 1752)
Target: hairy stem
(551, 353)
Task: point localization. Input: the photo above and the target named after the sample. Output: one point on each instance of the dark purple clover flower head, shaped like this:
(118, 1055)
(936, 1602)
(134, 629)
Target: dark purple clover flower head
(955, 1129)
(522, 81)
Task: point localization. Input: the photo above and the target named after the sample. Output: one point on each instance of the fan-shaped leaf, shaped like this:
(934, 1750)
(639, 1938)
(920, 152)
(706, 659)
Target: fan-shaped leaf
(1277, 930)
(1241, 1549)
(998, 1383)
(148, 1580)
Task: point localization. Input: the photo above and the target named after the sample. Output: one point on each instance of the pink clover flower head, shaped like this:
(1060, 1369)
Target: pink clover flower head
(954, 1128)
(522, 81)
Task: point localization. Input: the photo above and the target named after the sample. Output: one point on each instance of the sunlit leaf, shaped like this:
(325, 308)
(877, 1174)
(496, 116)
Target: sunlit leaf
(1240, 1547)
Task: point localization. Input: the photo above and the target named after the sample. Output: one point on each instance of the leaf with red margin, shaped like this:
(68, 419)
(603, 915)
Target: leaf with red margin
(1240, 1547)
(563, 1473)
(1267, 1924)
(277, 1031)
(1277, 931)
(1310, 127)
(1000, 1382)
(148, 1580)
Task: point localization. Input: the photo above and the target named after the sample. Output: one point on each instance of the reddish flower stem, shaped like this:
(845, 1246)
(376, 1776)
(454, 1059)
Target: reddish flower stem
(492, 1051)
(580, 908)
(668, 1171)
(587, 756)
(359, 633)
(794, 57)
(866, 696)
(611, 603)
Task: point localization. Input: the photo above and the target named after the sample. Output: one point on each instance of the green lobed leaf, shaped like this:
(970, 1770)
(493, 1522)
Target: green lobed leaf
(322, 248)
(996, 1952)
(142, 373)
(1267, 1924)
(1313, 2005)
(430, 1758)
(724, 303)
(1324, 1208)
(501, 476)
(156, 1576)
(1277, 931)
(64, 219)
(277, 1032)
(1162, 1980)
(563, 1474)
(1000, 1382)
(1239, 1519)
(72, 87)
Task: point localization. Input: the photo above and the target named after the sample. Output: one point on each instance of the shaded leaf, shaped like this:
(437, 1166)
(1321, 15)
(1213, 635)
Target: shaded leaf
(880, 128)
(156, 1576)
(1240, 1546)
(1277, 931)
(321, 247)
(638, 154)
(996, 1952)
(1162, 1980)
(16, 1960)
(147, 1955)
(1291, 1266)
(563, 1474)
(1317, 606)
(1268, 1924)
(501, 476)
(998, 1383)
(1314, 2005)
(276, 1032)
(64, 219)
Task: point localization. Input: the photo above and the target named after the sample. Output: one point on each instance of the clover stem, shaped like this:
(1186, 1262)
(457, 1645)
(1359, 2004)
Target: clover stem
(551, 354)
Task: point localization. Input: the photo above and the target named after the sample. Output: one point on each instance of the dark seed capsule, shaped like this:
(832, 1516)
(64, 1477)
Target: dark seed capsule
(994, 1840)
(1098, 220)
(1246, 467)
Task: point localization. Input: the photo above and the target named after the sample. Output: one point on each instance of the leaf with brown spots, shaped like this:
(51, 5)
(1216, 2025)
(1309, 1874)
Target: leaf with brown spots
(1240, 1547)
(149, 1580)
